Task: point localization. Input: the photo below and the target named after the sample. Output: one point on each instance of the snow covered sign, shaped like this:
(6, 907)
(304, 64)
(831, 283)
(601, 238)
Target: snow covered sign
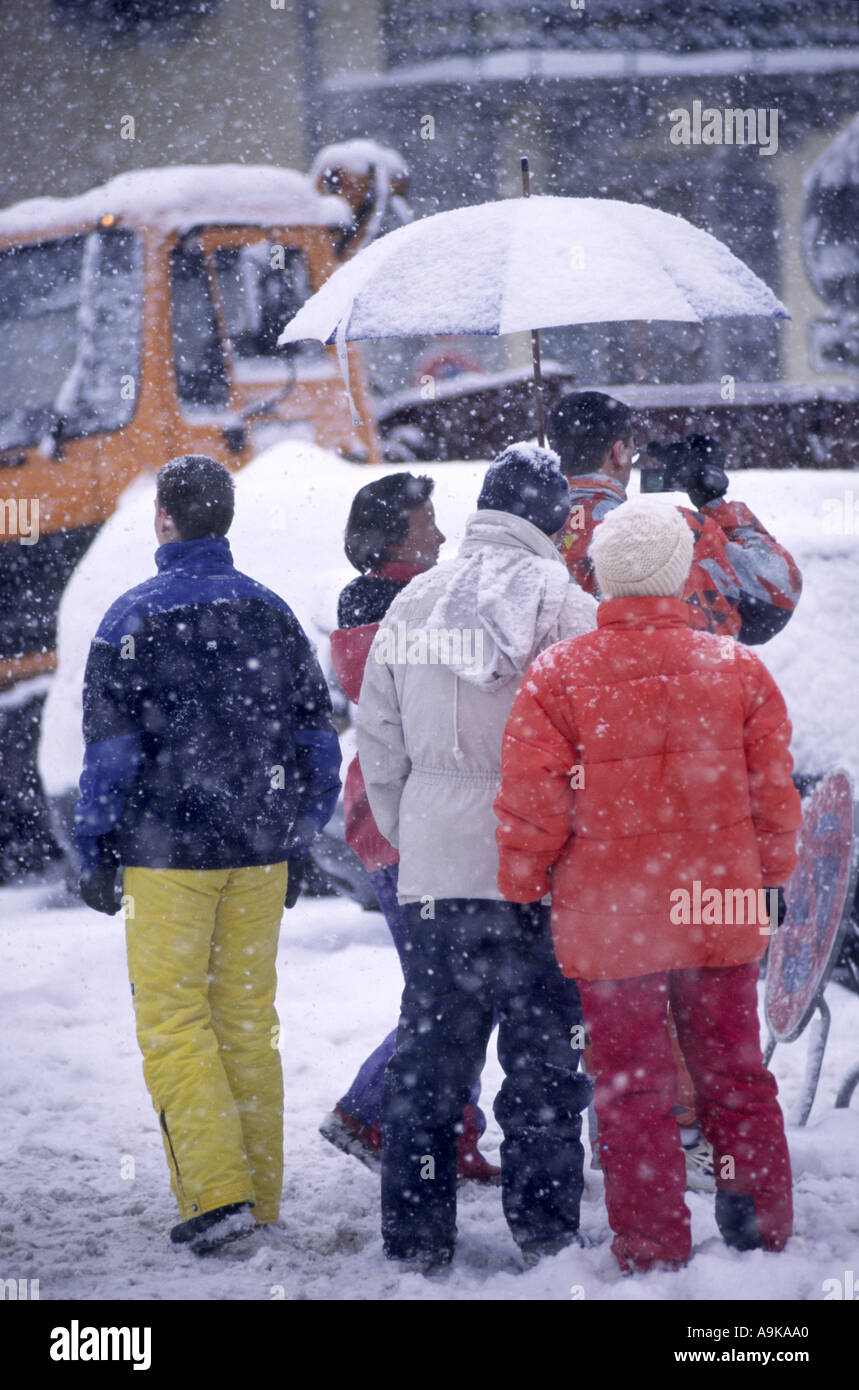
(829, 221)
(835, 342)
(806, 946)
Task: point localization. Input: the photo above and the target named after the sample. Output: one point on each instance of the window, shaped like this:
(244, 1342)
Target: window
(70, 334)
(103, 22)
(201, 372)
(262, 287)
(416, 32)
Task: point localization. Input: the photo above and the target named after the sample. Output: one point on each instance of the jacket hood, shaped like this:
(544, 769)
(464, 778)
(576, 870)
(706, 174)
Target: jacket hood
(503, 595)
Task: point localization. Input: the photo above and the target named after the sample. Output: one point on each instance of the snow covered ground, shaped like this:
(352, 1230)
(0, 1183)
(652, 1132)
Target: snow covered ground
(87, 1207)
(76, 1111)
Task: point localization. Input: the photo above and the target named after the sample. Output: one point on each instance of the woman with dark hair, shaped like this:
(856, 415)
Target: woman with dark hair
(391, 536)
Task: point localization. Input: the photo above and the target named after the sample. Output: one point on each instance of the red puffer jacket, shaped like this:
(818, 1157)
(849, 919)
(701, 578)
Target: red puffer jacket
(641, 760)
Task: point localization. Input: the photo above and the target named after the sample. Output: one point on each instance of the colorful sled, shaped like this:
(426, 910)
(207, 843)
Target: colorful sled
(819, 898)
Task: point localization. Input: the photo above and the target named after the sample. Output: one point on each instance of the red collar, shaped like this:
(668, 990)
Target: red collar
(399, 571)
(648, 611)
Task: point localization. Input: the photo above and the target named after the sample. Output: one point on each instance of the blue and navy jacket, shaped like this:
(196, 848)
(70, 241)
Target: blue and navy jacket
(209, 743)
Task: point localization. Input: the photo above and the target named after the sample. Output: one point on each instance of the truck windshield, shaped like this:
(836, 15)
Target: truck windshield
(70, 329)
(262, 287)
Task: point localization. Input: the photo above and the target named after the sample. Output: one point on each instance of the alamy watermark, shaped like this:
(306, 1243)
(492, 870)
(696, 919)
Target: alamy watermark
(14, 1289)
(717, 907)
(19, 516)
(437, 646)
(76, 1343)
(725, 125)
(846, 1288)
(841, 514)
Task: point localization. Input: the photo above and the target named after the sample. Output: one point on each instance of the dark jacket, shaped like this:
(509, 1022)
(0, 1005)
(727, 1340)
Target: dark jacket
(206, 720)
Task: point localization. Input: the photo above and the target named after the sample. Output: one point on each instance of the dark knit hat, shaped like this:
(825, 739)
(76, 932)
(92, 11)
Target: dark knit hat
(527, 481)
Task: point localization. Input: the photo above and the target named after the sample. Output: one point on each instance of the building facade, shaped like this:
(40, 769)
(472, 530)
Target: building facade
(589, 89)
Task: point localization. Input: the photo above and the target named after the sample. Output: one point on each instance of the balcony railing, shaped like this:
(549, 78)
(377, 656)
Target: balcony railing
(420, 31)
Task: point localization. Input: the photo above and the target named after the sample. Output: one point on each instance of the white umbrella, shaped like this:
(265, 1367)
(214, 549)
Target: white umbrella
(530, 263)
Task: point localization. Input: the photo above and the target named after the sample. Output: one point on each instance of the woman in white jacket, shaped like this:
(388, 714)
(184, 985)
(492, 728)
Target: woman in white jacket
(438, 686)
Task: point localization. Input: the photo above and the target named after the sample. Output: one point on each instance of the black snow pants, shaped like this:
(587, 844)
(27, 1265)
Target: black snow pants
(477, 961)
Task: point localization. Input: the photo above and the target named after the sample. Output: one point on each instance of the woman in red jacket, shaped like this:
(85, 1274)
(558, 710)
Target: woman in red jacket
(391, 536)
(646, 783)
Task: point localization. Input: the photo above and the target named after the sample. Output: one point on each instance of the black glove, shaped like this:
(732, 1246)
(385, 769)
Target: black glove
(297, 868)
(782, 908)
(533, 916)
(707, 479)
(101, 889)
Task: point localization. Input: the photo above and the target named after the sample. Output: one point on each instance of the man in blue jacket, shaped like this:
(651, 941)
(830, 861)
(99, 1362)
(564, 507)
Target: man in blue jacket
(211, 765)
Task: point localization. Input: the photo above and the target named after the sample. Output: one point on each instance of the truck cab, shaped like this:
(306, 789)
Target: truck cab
(139, 321)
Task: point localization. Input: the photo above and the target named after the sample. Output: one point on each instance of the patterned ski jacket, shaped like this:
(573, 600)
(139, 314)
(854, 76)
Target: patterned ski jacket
(742, 583)
(206, 719)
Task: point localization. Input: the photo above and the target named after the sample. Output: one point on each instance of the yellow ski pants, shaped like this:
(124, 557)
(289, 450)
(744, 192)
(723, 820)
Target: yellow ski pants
(202, 945)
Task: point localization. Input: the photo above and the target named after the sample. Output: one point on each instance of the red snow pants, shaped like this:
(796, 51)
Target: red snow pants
(716, 1015)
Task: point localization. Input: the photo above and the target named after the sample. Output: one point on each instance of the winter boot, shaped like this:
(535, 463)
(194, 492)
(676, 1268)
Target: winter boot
(533, 1251)
(700, 1176)
(737, 1220)
(213, 1229)
(432, 1264)
(470, 1162)
(350, 1136)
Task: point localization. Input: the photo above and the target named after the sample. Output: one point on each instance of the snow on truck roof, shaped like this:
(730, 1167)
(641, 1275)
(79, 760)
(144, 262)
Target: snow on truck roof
(178, 197)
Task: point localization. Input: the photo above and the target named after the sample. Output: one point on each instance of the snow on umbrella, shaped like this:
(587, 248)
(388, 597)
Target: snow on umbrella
(530, 263)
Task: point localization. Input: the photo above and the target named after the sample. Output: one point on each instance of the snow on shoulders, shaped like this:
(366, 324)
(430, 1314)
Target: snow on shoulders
(580, 609)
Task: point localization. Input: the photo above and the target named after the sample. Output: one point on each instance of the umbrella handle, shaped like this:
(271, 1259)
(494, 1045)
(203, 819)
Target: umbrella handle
(535, 332)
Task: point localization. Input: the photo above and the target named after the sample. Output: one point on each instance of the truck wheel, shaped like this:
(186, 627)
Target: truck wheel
(27, 843)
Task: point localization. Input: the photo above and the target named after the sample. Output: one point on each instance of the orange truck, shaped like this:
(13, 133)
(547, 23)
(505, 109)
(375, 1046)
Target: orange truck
(139, 321)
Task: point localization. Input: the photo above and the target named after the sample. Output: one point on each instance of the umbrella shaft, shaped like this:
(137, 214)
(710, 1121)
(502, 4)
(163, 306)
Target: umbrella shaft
(535, 335)
(538, 387)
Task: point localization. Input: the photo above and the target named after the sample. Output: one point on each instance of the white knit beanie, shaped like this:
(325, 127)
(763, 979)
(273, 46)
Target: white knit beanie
(642, 547)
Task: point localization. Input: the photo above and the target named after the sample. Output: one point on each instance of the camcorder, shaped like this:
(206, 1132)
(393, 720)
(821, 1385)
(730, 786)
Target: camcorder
(695, 466)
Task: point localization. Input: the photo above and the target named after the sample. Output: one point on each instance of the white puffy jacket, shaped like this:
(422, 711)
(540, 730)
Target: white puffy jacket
(438, 686)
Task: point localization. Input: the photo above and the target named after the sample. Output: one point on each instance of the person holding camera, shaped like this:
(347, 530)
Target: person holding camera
(742, 583)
